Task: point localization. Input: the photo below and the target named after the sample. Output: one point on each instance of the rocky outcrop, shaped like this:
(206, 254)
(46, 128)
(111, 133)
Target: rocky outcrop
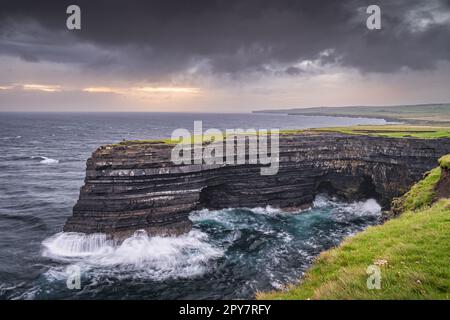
(136, 186)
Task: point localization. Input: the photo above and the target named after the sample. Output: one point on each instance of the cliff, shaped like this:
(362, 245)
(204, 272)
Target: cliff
(135, 185)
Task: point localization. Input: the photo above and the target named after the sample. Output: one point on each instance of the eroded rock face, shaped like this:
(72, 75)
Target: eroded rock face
(136, 186)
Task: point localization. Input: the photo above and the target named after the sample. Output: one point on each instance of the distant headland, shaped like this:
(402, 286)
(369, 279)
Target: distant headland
(423, 114)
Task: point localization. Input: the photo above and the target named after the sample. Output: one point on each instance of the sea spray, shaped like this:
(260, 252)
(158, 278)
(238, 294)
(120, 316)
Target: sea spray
(73, 245)
(45, 160)
(357, 208)
(153, 257)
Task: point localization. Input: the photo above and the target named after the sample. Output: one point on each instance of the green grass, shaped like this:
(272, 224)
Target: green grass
(412, 251)
(444, 162)
(420, 195)
(392, 131)
(146, 141)
(194, 139)
(169, 141)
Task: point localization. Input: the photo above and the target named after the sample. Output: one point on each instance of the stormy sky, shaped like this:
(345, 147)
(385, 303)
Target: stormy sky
(221, 55)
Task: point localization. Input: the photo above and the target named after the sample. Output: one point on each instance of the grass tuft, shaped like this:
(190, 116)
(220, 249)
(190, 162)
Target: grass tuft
(444, 162)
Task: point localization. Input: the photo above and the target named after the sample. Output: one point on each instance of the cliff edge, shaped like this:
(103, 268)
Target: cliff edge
(135, 185)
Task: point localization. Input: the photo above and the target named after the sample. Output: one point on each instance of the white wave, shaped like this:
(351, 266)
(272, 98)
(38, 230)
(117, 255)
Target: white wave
(9, 138)
(222, 215)
(238, 219)
(358, 208)
(323, 201)
(267, 210)
(73, 244)
(139, 255)
(48, 161)
(368, 207)
(45, 160)
(204, 214)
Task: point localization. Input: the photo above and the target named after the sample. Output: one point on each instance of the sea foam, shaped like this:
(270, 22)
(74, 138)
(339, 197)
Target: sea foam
(156, 257)
(45, 160)
(367, 207)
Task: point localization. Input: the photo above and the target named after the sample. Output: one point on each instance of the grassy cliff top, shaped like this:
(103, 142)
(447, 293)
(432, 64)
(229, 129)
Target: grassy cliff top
(393, 131)
(412, 252)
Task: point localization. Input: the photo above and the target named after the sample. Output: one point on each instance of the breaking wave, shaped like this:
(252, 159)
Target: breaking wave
(156, 258)
(45, 160)
(368, 207)
(9, 138)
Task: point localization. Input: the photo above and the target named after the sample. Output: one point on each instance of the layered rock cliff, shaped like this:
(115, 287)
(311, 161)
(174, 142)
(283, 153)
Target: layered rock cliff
(136, 186)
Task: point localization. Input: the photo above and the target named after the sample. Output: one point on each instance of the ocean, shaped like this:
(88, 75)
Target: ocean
(230, 253)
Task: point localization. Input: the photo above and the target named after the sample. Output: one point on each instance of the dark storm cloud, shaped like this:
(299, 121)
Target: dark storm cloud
(157, 38)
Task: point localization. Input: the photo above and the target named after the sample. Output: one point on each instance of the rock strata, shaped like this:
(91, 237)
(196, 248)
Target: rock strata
(133, 186)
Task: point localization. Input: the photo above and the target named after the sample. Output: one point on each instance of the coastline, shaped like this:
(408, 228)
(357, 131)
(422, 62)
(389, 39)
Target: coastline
(426, 114)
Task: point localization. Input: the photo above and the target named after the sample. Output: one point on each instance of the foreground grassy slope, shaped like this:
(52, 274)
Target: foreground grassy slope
(412, 251)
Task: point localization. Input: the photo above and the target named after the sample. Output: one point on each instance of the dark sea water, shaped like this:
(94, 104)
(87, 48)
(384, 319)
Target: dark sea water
(229, 253)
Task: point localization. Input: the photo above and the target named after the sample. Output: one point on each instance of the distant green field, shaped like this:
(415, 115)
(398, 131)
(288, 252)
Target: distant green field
(413, 114)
